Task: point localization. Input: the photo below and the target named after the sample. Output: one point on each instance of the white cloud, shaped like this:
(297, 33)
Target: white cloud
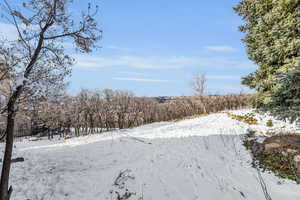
(220, 48)
(139, 79)
(117, 48)
(227, 88)
(132, 61)
(223, 77)
(94, 62)
(132, 73)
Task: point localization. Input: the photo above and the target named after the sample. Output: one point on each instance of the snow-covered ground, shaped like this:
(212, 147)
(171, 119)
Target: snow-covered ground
(279, 126)
(197, 159)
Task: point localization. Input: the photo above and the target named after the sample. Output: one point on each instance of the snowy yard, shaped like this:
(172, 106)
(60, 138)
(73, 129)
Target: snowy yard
(201, 158)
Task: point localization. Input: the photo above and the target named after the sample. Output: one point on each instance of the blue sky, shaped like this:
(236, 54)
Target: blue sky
(154, 48)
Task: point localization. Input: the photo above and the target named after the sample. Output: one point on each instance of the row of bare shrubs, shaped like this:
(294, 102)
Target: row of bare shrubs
(103, 110)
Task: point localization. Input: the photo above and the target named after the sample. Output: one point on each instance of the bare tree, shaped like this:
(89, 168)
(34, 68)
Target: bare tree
(42, 27)
(199, 83)
(92, 112)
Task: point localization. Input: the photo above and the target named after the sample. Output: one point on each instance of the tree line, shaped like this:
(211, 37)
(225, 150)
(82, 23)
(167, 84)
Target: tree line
(97, 111)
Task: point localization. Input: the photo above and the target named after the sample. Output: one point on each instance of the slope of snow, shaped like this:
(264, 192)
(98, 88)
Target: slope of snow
(201, 158)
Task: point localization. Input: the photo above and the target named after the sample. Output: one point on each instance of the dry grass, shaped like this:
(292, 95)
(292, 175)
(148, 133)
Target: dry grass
(248, 118)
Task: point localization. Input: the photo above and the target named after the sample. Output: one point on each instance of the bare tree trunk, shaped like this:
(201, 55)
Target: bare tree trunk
(4, 191)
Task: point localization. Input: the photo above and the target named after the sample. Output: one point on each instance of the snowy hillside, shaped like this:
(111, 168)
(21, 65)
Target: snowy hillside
(188, 160)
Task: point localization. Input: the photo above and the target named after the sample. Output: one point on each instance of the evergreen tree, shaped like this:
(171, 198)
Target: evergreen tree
(285, 102)
(272, 29)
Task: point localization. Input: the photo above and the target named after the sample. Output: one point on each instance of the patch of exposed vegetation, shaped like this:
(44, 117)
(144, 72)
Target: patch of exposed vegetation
(269, 123)
(277, 154)
(278, 161)
(247, 118)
